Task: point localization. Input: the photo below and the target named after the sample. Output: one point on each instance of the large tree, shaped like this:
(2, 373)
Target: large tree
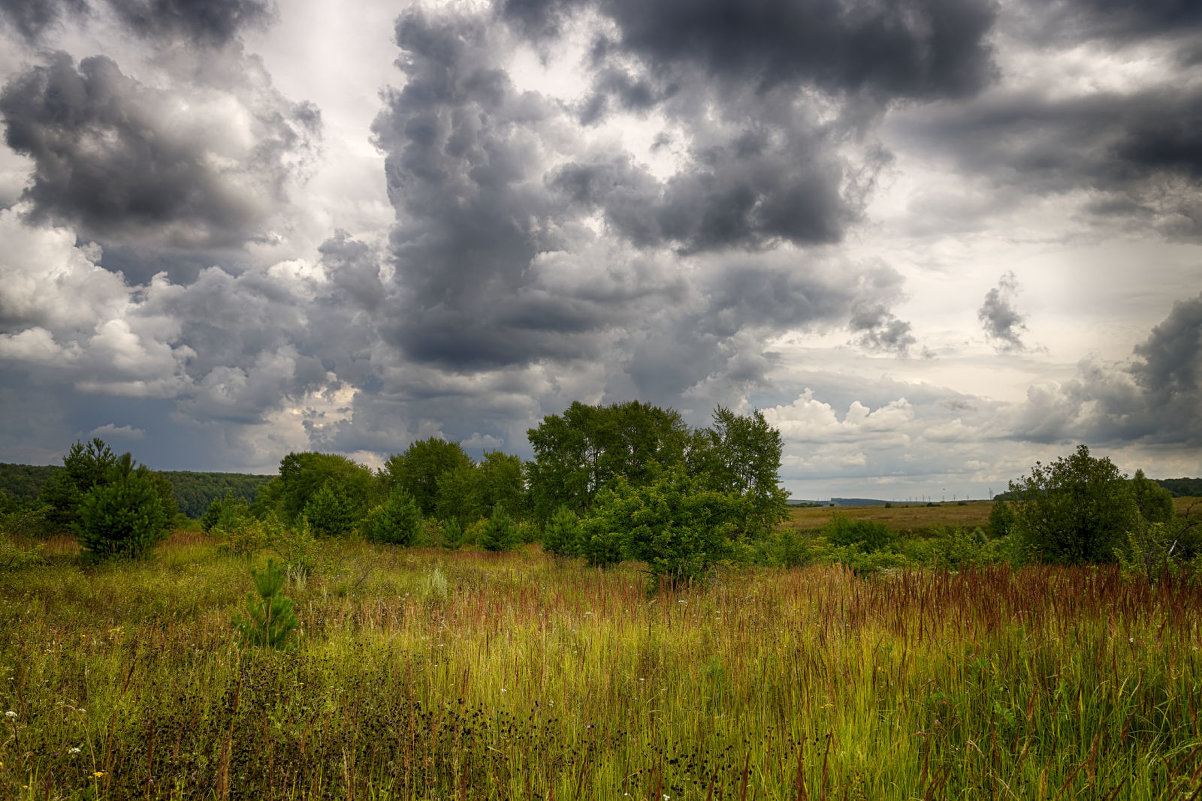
(420, 467)
(1076, 509)
(580, 452)
(740, 454)
(303, 475)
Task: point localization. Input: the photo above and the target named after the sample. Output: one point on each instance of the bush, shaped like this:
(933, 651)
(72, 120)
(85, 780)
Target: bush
(562, 534)
(330, 512)
(452, 535)
(225, 514)
(1001, 519)
(396, 521)
(674, 525)
(122, 517)
(499, 533)
(1076, 509)
(867, 535)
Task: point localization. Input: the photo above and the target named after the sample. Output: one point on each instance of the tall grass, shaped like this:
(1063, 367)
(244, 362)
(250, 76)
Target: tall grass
(423, 674)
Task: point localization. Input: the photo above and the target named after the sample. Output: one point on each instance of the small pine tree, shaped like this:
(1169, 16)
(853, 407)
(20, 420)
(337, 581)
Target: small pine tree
(499, 533)
(122, 517)
(269, 619)
(452, 535)
(329, 512)
(563, 533)
(397, 521)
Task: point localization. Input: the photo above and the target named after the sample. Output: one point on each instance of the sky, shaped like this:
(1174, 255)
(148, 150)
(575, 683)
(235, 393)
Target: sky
(933, 241)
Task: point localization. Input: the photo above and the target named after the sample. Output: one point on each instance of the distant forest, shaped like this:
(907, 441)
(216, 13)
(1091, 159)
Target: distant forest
(193, 491)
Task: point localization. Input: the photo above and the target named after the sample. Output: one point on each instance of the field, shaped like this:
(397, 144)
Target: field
(425, 674)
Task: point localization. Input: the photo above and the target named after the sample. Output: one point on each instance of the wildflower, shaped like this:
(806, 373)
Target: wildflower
(10, 714)
(98, 774)
(72, 751)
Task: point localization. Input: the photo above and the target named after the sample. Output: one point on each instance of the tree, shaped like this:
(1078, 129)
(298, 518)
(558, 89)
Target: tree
(740, 455)
(502, 483)
(562, 533)
(331, 511)
(419, 468)
(302, 475)
(1155, 503)
(1076, 509)
(674, 524)
(396, 521)
(84, 467)
(499, 533)
(459, 495)
(122, 516)
(579, 453)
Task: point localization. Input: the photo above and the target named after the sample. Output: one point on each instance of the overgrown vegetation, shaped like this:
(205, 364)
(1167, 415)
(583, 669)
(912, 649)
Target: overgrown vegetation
(470, 675)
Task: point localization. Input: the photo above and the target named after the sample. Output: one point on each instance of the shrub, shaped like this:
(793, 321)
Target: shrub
(867, 535)
(452, 535)
(674, 525)
(14, 556)
(563, 532)
(269, 619)
(1076, 509)
(396, 521)
(225, 513)
(1001, 519)
(122, 517)
(499, 532)
(330, 512)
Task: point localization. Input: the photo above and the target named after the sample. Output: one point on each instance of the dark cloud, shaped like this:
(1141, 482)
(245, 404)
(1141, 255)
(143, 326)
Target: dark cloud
(207, 21)
(880, 330)
(31, 18)
(1121, 21)
(122, 161)
(1002, 322)
(1139, 153)
(919, 49)
(1156, 400)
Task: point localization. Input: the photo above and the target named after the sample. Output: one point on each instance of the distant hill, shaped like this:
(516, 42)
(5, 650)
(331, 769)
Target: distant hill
(1182, 487)
(193, 491)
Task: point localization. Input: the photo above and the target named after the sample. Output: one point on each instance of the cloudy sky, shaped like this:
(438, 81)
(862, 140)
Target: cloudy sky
(934, 240)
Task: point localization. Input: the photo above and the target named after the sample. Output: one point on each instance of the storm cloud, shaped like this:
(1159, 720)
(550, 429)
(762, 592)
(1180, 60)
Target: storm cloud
(1002, 322)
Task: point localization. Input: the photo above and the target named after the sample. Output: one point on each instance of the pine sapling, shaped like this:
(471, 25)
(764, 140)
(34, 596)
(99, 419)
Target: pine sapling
(270, 619)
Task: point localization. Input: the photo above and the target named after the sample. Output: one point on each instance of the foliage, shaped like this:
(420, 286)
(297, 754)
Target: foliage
(458, 495)
(1155, 503)
(420, 467)
(499, 532)
(451, 535)
(741, 455)
(123, 515)
(1076, 509)
(15, 555)
(84, 467)
(562, 533)
(579, 453)
(195, 492)
(679, 528)
(866, 535)
(1001, 519)
(331, 511)
(502, 483)
(1182, 487)
(225, 513)
(269, 618)
(1157, 550)
(396, 521)
(303, 475)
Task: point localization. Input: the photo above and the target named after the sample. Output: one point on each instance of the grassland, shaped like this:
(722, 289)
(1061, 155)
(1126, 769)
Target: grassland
(424, 674)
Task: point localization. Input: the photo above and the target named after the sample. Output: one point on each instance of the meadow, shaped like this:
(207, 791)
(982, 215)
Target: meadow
(421, 673)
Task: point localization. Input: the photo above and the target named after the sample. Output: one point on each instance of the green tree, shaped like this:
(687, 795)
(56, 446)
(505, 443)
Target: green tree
(302, 475)
(579, 453)
(84, 467)
(499, 533)
(675, 525)
(459, 495)
(740, 455)
(331, 511)
(1155, 503)
(562, 533)
(1076, 509)
(502, 483)
(123, 515)
(269, 617)
(419, 468)
(397, 521)
(1001, 519)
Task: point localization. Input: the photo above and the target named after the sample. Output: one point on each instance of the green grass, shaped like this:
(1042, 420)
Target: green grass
(423, 674)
